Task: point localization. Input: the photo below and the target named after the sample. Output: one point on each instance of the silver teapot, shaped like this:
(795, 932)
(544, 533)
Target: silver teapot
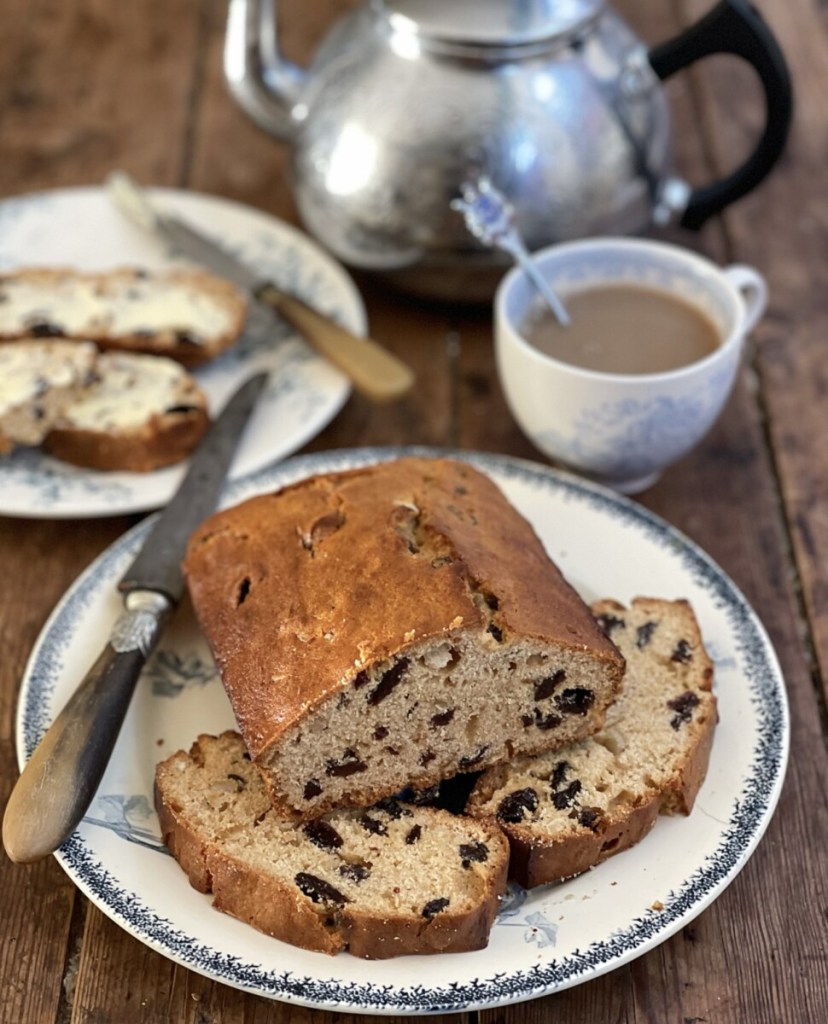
(556, 102)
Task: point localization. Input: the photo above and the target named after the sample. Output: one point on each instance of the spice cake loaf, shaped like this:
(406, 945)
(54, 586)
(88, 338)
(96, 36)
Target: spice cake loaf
(390, 626)
(387, 881)
(189, 315)
(567, 811)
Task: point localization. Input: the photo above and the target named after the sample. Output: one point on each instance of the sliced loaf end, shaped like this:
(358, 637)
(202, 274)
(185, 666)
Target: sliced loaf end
(387, 881)
(567, 811)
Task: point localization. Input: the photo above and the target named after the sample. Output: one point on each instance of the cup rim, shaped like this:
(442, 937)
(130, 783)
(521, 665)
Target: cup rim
(733, 339)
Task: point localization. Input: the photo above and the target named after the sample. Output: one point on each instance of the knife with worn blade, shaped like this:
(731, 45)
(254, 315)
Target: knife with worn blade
(59, 781)
(373, 370)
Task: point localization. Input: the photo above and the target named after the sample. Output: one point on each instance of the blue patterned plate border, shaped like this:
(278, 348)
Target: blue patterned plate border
(544, 940)
(79, 227)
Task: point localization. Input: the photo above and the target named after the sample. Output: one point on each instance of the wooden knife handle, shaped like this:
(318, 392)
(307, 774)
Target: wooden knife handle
(372, 369)
(59, 781)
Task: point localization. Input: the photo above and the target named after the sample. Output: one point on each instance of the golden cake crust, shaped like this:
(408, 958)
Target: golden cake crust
(337, 591)
(338, 587)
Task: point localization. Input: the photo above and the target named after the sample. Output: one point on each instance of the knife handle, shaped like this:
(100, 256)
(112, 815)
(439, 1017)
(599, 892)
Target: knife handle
(60, 779)
(372, 369)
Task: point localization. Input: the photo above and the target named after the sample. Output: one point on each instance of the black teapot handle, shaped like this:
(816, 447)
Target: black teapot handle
(734, 26)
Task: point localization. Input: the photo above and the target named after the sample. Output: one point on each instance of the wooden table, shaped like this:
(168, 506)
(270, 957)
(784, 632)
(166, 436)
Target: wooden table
(89, 86)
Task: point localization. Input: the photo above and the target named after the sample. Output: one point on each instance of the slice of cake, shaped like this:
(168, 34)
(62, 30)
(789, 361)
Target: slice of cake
(140, 413)
(38, 381)
(189, 315)
(567, 811)
(388, 881)
(391, 626)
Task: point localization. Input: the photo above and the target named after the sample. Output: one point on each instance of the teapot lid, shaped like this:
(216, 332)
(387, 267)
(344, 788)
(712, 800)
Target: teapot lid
(488, 23)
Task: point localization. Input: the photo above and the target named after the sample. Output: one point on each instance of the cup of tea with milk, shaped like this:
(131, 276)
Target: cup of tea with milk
(643, 362)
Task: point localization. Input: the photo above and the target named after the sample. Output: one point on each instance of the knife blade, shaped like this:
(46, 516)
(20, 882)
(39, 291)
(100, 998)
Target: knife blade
(60, 779)
(373, 370)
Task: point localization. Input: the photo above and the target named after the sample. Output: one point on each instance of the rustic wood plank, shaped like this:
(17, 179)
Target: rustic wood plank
(115, 973)
(758, 953)
(783, 229)
(38, 900)
(80, 101)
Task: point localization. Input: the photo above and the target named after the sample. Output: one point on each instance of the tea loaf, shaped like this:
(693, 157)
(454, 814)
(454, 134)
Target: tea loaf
(569, 810)
(189, 315)
(391, 626)
(140, 413)
(37, 382)
(387, 881)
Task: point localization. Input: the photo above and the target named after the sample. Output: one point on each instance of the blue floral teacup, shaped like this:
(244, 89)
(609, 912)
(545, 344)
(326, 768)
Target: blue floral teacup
(623, 429)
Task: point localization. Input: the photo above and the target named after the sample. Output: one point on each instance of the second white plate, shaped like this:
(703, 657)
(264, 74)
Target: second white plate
(81, 228)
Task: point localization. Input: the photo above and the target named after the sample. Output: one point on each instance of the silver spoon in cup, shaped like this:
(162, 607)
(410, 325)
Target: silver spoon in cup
(490, 217)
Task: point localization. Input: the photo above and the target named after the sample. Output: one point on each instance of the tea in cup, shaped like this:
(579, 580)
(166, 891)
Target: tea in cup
(646, 365)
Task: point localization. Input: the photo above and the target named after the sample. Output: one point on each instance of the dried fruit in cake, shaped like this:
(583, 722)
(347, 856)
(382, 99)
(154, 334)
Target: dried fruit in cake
(567, 811)
(390, 626)
(388, 881)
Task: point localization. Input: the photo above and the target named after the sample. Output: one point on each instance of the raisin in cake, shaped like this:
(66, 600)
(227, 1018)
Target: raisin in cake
(37, 382)
(140, 413)
(387, 881)
(391, 626)
(189, 315)
(567, 811)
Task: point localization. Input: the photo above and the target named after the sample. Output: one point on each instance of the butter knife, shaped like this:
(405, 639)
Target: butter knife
(372, 369)
(59, 781)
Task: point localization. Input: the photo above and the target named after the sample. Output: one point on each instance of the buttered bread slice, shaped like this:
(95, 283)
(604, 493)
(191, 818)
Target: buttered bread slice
(37, 382)
(188, 315)
(391, 626)
(140, 413)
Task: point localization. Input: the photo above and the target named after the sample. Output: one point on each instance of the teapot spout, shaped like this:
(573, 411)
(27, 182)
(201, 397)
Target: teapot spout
(264, 84)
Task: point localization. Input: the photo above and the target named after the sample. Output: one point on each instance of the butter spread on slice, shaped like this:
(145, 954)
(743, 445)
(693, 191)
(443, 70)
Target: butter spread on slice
(111, 305)
(28, 369)
(131, 389)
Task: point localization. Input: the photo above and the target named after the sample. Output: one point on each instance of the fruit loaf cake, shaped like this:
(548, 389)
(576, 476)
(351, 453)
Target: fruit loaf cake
(390, 626)
(37, 382)
(387, 881)
(189, 315)
(569, 810)
(140, 413)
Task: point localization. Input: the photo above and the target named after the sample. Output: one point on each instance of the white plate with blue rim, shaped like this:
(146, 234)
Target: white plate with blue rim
(544, 940)
(80, 228)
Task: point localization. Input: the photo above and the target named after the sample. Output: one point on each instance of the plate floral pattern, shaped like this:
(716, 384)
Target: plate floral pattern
(544, 940)
(80, 228)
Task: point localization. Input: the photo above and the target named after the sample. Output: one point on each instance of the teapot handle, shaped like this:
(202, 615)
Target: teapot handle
(734, 26)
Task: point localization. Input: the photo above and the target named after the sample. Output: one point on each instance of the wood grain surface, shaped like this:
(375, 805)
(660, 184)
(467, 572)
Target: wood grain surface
(91, 85)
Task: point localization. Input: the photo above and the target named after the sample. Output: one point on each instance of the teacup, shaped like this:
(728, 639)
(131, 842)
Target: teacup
(623, 429)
